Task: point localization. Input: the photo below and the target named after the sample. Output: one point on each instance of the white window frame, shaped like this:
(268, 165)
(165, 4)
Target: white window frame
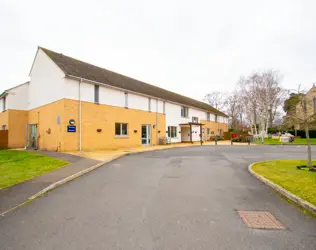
(126, 99)
(149, 104)
(208, 116)
(183, 113)
(172, 131)
(121, 129)
(96, 93)
(195, 119)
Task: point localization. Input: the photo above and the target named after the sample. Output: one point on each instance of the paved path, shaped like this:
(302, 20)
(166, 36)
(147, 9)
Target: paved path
(17, 194)
(182, 198)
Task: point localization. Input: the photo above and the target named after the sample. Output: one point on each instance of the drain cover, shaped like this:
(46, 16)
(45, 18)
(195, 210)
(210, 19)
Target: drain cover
(260, 220)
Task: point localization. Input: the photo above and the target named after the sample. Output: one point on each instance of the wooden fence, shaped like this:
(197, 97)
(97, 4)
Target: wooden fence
(3, 139)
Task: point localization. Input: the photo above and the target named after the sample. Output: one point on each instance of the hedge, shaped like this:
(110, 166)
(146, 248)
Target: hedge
(301, 133)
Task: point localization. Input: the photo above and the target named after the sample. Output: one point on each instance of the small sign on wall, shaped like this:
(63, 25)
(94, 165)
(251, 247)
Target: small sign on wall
(71, 128)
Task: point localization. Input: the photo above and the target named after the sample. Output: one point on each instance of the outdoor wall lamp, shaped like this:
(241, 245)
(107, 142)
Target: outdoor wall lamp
(99, 130)
(154, 126)
(135, 131)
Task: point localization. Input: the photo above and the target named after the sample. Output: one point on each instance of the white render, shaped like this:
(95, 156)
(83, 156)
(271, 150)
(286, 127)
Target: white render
(48, 83)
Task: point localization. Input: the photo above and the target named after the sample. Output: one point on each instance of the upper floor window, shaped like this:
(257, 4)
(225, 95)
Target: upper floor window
(149, 104)
(126, 99)
(208, 116)
(195, 119)
(184, 112)
(216, 117)
(96, 93)
(4, 103)
(164, 107)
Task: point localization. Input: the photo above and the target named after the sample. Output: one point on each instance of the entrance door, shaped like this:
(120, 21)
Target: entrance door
(146, 135)
(31, 136)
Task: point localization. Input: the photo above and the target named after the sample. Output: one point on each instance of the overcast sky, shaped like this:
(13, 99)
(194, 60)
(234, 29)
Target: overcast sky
(190, 47)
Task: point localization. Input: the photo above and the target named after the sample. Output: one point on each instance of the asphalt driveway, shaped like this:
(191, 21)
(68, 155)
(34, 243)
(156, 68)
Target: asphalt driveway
(185, 198)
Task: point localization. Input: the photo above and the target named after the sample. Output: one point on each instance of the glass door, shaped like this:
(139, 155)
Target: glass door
(146, 134)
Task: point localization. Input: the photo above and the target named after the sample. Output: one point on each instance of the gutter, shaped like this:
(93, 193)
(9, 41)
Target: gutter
(137, 93)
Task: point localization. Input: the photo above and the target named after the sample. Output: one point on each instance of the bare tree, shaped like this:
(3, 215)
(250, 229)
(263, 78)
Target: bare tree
(233, 108)
(216, 99)
(304, 116)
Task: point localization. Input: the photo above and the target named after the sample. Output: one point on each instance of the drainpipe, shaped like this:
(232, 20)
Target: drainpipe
(157, 139)
(79, 115)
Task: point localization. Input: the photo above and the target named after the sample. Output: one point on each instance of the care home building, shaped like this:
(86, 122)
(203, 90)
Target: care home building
(72, 105)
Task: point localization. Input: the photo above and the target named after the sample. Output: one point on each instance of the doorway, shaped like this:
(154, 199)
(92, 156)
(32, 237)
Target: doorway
(31, 136)
(146, 134)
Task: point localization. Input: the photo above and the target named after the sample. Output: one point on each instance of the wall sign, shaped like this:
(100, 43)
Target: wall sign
(71, 128)
(72, 122)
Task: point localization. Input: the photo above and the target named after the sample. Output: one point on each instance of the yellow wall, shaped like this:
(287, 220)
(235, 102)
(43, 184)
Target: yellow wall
(50, 132)
(104, 117)
(55, 137)
(214, 127)
(17, 125)
(16, 121)
(4, 118)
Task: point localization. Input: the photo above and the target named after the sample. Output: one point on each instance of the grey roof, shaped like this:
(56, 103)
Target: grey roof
(74, 67)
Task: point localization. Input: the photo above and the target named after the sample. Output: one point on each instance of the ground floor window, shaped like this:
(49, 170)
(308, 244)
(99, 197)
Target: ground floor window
(4, 127)
(121, 129)
(208, 131)
(172, 131)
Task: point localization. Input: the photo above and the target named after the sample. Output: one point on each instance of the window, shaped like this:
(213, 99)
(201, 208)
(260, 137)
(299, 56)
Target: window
(126, 100)
(96, 93)
(195, 119)
(216, 118)
(164, 107)
(121, 129)
(4, 102)
(208, 131)
(149, 104)
(4, 127)
(172, 131)
(184, 112)
(208, 117)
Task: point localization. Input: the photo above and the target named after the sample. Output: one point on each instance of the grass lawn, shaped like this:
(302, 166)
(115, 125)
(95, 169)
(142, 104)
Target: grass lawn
(17, 166)
(284, 173)
(296, 141)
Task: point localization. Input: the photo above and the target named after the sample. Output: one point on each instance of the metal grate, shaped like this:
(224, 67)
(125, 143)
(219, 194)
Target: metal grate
(260, 220)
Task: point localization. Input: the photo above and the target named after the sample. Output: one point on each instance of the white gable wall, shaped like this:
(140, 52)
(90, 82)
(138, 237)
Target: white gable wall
(17, 98)
(47, 82)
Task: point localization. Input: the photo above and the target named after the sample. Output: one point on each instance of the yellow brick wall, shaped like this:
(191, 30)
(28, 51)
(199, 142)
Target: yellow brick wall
(214, 127)
(4, 118)
(50, 132)
(104, 117)
(17, 125)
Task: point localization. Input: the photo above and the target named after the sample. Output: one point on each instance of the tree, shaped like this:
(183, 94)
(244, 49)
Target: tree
(216, 99)
(233, 108)
(304, 115)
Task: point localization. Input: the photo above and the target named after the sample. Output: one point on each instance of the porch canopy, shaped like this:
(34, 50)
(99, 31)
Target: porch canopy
(189, 125)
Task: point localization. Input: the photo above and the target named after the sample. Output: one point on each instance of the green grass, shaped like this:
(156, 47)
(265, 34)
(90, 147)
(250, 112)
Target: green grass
(296, 141)
(284, 173)
(17, 166)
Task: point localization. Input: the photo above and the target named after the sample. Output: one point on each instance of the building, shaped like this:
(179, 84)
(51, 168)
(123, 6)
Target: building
(72, 105)
(310, 98)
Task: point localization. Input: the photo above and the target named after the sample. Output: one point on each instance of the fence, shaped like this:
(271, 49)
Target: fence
(3, 139)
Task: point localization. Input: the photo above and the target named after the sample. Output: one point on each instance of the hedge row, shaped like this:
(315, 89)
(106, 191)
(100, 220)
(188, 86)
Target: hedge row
(301, 133)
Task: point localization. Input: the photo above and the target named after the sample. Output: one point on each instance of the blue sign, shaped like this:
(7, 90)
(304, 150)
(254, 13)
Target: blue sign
(71, 128)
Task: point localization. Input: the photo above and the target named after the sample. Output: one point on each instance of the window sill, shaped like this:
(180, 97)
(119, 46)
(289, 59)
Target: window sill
(121, 137)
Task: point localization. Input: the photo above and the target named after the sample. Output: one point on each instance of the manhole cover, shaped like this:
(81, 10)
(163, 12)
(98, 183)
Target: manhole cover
(260, 220)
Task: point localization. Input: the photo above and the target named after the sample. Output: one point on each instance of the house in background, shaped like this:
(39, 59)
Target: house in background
(72, 105)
